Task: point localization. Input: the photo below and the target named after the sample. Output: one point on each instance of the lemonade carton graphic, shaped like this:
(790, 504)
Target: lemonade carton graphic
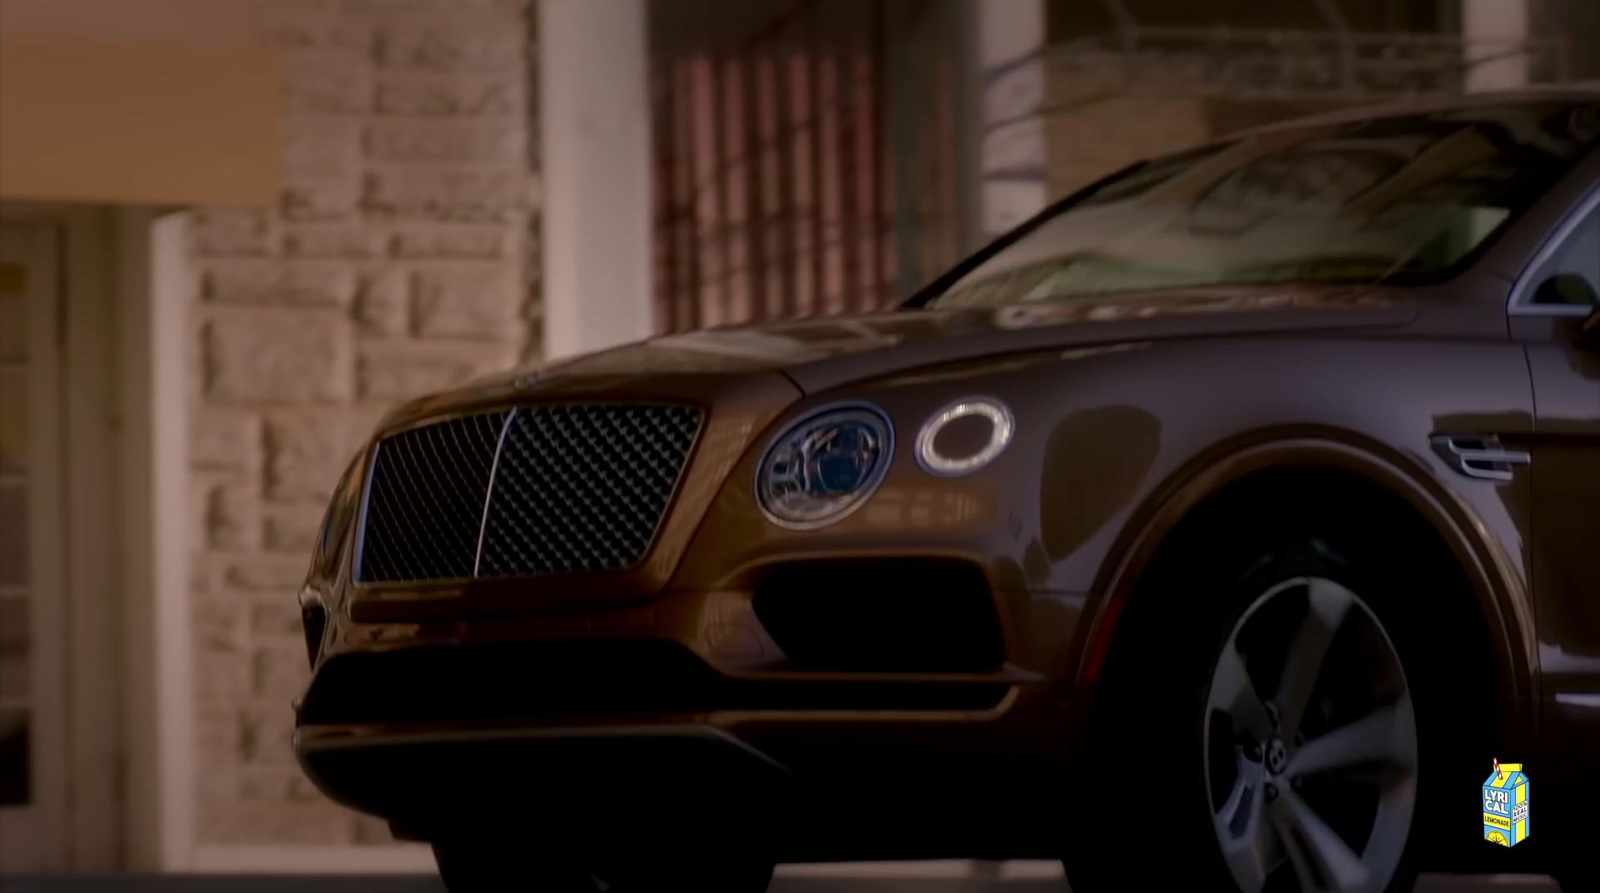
(1505, 805)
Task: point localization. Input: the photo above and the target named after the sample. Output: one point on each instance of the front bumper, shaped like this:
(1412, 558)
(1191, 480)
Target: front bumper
(685, 699)
(676, 784)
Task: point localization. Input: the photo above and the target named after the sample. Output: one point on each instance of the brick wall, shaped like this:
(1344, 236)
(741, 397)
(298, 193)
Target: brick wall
(397, 262)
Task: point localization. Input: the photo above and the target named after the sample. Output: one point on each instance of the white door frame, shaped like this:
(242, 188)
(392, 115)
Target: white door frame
(158, 721)
(35, 837)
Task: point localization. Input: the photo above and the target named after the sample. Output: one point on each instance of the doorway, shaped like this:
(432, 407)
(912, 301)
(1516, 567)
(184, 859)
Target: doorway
(33, 770)
(61, 567)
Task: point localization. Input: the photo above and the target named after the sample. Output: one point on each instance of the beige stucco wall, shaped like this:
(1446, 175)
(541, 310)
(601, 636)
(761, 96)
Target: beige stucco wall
(392, 261)
(138, 101)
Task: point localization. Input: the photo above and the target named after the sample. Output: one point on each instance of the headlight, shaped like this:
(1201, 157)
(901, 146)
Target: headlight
(964, 436)
(824, 466)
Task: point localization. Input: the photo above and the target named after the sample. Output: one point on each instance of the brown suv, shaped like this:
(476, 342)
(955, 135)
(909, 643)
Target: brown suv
(1225, 523)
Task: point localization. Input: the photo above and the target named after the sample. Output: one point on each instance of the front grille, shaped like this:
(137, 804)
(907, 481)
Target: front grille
(582, 488)
(425, 500)
(567, 489)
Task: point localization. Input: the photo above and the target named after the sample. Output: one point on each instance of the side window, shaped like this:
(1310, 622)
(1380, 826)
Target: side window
(1572, 274)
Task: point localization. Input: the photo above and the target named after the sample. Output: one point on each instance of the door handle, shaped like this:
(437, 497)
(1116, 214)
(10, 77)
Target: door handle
(1478, 455)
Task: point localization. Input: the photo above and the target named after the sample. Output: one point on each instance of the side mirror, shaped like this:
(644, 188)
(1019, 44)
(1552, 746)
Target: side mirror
(1589, 333)
(1566, 288)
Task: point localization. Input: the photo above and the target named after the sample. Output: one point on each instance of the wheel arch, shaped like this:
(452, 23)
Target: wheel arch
(1224, 473)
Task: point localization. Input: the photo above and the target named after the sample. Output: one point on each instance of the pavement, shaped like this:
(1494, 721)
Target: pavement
(926, 877)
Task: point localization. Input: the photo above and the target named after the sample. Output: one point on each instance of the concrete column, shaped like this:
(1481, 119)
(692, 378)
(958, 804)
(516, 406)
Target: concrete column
(1495, 33)
(595, 136)
(1010, 37)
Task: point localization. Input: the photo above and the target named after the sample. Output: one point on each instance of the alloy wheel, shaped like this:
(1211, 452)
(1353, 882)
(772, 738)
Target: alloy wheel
(1310, 744)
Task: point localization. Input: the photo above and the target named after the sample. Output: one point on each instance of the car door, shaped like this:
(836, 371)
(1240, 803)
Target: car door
(1548, 307)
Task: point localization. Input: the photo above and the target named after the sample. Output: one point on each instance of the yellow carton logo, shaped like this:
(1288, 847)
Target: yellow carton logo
(1505, 805)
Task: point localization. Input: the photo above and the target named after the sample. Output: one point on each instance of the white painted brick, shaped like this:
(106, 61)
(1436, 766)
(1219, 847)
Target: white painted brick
(306, 451)
(231, 232)
(201, 571)
(446, 141)
(258, 354)
(255, 573)
(319, 823)
(291, 528)
(294, 283)
(362, 420)
(321, 147)
(219, 784)
(296, 26)
(266, 729)
(462, 241)
(465, 301)
(459, 95)
(450, 43)
(445, 194)
(224, 439)
(383, 305)
(221, 682)
(265, 783)
(217, 725)
(402, 370)
(279, 671)
(276, 618)
(219, 627)
(324, 82)
(231, 520)
(328, 240)
(323, 198)
(403, 210)
(372, 831)
(301, 790)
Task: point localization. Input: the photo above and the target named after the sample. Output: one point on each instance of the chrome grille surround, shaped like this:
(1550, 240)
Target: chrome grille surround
(533, 491)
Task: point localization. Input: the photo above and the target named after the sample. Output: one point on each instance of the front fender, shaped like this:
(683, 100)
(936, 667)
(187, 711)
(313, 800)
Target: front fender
(1478, 544)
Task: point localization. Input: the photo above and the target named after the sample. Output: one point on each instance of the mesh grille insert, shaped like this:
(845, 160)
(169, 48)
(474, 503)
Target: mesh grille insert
(576, 488)
(583, 488)
(425, 505)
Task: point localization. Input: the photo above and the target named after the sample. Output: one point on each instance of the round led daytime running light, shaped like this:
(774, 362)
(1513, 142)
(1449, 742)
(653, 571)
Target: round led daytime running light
(1001, 429)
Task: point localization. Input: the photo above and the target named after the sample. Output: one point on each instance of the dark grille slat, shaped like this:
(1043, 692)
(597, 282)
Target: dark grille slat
(583, 488)
(425, 503)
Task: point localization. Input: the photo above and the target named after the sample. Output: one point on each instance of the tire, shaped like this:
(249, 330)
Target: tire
(485, 865)
(1577, 867)
(1179, 765)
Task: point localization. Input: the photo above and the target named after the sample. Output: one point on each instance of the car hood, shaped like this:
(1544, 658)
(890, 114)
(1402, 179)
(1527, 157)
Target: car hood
(823, 353)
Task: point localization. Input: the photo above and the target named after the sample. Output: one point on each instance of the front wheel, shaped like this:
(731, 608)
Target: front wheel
(1264, 733)
(1310, 758)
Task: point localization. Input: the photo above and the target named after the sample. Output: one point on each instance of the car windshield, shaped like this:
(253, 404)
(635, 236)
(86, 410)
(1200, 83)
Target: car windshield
(1385, 199)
